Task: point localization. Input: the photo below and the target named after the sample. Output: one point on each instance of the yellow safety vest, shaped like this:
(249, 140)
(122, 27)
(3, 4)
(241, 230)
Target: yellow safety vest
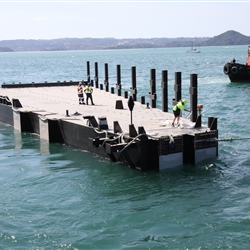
(88, 89)
(179, 105)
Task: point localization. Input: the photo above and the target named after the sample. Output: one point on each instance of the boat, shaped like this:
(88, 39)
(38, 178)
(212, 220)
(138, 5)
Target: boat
(193, 50)
(238, 72)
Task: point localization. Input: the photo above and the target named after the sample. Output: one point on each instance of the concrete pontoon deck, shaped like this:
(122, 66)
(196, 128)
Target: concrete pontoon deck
(55, 102)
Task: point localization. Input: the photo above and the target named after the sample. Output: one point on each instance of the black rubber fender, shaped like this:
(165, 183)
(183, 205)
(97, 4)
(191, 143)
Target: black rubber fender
(226, 69)
(234, 70)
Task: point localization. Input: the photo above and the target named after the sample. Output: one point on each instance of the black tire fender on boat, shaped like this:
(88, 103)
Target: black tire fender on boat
(226, 69)
(234, 70)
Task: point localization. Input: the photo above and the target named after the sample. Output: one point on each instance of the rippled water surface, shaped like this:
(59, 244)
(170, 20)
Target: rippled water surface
(57, 197)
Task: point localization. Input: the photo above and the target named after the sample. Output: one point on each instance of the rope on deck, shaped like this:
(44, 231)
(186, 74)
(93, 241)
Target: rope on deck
(145, 134)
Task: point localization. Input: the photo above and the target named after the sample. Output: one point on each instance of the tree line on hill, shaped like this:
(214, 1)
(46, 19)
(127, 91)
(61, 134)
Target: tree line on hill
(228, 38)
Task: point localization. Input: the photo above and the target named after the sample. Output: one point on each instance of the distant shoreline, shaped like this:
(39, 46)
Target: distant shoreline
(68, 44)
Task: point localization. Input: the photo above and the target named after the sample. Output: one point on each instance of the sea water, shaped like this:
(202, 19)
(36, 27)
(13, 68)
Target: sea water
(57, 197)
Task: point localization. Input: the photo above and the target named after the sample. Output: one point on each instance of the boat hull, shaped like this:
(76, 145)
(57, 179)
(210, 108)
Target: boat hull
(237, 72)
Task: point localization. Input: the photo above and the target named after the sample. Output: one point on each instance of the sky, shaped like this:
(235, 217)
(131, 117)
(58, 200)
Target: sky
(121, 19)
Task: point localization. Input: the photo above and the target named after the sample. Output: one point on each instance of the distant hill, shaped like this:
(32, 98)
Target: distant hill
(3, 49)
(228, 38)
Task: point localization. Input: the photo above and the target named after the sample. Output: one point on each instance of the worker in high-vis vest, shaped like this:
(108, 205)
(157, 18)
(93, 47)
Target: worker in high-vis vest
(88, 91)
(80, 93)
(177, 111)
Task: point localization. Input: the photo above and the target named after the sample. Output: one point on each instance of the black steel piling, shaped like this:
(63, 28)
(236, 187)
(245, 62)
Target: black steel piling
(164, 86)
(193, 97)
(152, 93)
(106, 81)
(96, 75)
(133, 88)
(177, 87)
(88, 71)
(118, 77)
